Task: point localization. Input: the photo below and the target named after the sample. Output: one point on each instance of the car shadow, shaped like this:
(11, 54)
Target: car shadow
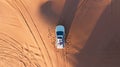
(67, 15)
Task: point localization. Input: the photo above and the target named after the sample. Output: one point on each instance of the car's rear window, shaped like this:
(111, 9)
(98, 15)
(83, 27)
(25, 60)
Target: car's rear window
(59, 37)
(59, 33)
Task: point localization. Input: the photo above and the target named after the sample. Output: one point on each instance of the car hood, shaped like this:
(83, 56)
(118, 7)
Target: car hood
(60, 28)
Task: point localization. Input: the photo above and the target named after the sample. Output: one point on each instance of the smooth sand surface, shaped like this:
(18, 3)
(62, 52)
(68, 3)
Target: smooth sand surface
(27, 33)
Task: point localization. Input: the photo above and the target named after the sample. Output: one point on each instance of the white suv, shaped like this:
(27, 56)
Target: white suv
(60, 36)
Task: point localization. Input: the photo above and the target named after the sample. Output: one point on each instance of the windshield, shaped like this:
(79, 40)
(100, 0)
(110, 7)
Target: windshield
(59, 33)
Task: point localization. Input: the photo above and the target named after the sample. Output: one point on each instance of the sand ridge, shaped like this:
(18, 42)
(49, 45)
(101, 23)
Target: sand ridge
(27, 33)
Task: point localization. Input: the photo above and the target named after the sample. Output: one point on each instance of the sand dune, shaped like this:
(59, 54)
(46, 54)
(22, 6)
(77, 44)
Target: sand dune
(27, 33)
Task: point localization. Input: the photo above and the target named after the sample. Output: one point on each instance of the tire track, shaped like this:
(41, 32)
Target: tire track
(33, 34)
(51, 36)
(16, 7)
(64, 52)
(20, 50)
(3, 49)
(29, 29)
(38, 32)
(81, 5)
(7, 55)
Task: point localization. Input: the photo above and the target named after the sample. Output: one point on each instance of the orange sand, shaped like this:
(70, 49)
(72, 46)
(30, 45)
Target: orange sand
(27, 37)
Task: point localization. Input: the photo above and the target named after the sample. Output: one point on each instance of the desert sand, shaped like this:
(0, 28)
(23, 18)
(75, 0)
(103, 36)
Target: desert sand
(27, 33)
